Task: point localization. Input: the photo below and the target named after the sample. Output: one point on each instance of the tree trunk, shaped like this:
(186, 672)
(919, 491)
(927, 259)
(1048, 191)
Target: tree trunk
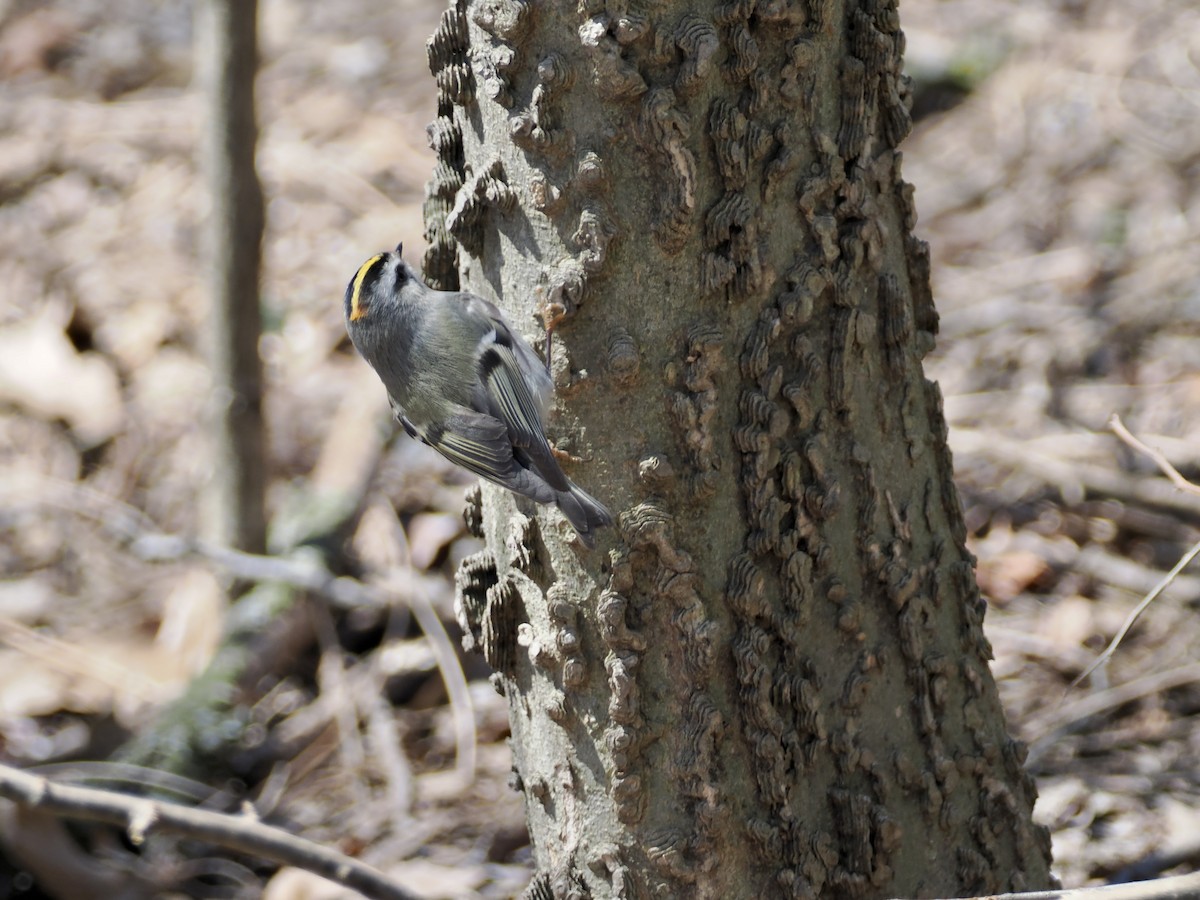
(771, 678)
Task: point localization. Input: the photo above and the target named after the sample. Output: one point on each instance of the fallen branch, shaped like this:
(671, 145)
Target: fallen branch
(1073, 479)
(1162, 861)
(1180, 887)
(303, 568)
(1066, 719)
(140, 815)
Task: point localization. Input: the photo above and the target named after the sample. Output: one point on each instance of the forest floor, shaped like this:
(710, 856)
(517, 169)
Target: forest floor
(1057, 171)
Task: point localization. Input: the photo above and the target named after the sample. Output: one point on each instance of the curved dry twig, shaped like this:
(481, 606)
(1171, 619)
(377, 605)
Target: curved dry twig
(140, 815)
(1159, 458)
(1183, 484)
(1106, 655)
(462, 707)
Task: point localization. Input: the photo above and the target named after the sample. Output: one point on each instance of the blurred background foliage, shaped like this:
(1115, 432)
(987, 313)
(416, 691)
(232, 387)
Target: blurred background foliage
(1056, 162)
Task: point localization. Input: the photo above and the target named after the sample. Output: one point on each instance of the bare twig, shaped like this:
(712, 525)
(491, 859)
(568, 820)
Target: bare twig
(1160, 460)
(1183, 484)
(383, 737)
(139, 816)
(388, 568)
(120, 777)
(462, 707)
(1066, 719)
(302, 568)
(331, 678)
(1104, 657)
(1074, 477)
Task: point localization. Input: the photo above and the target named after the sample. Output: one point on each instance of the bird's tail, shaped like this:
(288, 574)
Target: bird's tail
(583, 511)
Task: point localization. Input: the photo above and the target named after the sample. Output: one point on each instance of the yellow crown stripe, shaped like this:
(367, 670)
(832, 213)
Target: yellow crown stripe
(357, 310)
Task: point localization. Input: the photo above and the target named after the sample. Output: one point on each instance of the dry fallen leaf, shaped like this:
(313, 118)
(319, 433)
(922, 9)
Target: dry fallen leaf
(36, 42)
(429, 534)
(297, 884)
(43, 373)
(1006, 575)
(192, 622)
(1069, 623)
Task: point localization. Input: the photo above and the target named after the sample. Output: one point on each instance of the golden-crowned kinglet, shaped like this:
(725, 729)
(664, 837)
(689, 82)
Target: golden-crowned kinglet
(461, 380)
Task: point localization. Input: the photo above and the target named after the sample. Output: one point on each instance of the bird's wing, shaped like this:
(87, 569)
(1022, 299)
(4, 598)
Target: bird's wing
(473, 441)
(537, 376)
(510, 400)
(398, 412)
(481, 444)
(410, 428)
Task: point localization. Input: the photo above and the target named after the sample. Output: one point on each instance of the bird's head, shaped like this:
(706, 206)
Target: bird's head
(377, 285)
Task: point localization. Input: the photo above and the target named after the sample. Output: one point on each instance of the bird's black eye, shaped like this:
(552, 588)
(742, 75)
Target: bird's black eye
(358, 292)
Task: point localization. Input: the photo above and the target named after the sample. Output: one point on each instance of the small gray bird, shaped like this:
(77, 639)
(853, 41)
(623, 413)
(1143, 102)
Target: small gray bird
(462, 381)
